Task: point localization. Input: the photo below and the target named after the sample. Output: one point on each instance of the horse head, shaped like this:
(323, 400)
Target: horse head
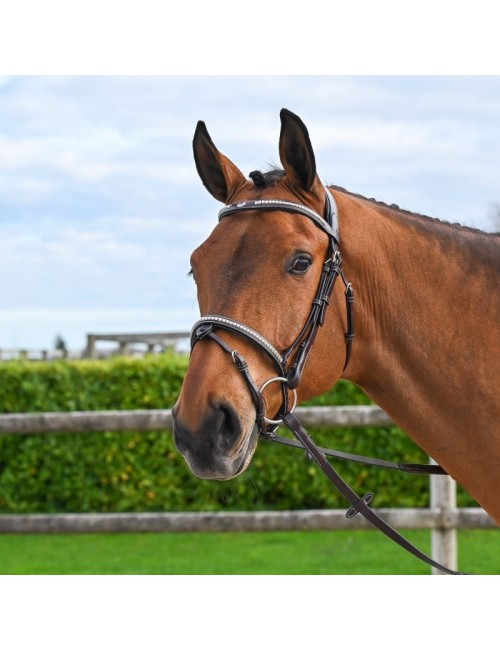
(261, 268)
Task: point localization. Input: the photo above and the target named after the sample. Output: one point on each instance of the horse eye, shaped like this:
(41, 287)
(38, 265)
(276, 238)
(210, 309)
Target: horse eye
(301, 264)
(191, 274)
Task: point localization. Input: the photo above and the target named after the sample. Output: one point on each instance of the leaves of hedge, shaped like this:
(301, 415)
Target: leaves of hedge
(142, 471)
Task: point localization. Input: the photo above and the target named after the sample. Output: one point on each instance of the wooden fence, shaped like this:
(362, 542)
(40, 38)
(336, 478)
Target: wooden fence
(36, 354)
(136, 345)
(151, 342)
(443, 518)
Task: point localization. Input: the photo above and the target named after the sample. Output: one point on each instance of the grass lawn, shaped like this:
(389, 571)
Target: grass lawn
(280, 553)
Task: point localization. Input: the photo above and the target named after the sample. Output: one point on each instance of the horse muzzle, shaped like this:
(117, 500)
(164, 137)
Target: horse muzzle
(219, 449)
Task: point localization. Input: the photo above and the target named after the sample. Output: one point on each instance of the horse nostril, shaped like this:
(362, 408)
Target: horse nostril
(229, 426)
(219, 431)
(183, 438)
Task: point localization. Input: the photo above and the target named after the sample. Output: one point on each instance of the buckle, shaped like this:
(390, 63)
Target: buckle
(353, 510)
(269, 433)
(203, 330)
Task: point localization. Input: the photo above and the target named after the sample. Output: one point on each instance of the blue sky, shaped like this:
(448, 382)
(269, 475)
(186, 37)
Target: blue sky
(100, 203)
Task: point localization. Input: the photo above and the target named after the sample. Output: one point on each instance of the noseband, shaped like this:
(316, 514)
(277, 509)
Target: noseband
(289, 377)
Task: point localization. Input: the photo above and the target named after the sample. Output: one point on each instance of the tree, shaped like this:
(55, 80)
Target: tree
(60, 344)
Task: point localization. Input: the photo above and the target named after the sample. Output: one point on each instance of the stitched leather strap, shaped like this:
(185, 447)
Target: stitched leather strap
(210, 321)
(330, 225)
(349, 335)
(358, 504)
(409, 468)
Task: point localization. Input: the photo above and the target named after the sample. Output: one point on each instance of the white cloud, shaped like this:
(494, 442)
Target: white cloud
(23, 191)
(100, 203)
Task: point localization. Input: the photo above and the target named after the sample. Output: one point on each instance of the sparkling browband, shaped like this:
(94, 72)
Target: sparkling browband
(239, 328)
(289, 206)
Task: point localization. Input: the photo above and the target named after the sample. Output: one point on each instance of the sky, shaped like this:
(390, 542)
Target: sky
(101, 205)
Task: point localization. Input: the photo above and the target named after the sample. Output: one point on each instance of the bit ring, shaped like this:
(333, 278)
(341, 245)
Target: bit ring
(283, 380)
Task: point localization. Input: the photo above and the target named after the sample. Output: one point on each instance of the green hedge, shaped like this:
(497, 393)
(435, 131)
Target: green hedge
(142, 471)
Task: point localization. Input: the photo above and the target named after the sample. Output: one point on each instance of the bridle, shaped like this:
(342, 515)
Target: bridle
(289, 375)
(290, 368)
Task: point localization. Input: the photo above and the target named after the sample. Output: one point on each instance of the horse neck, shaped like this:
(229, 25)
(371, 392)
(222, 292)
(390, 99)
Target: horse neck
(424, 322)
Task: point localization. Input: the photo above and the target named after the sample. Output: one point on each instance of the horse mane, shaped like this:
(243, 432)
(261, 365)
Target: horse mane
(430, 220)
(274, 174)
(267, 179)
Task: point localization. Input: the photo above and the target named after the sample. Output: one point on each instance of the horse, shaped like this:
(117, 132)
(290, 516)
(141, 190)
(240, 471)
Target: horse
(427, 346)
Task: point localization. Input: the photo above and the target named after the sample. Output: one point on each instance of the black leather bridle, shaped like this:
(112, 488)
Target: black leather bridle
(289, 376)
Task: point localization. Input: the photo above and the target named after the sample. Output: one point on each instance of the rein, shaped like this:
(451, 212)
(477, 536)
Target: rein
(289, 377)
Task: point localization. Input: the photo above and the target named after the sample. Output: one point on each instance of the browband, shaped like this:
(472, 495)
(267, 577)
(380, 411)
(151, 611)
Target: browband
(329, 223)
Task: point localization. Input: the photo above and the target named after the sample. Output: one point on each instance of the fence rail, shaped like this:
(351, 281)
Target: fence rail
(443, 518)
(154, 342)
(181, 522)
(134, 345)
(153, 420)
(38, 354)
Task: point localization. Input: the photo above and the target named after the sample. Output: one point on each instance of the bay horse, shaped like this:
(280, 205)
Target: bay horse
(427, 347)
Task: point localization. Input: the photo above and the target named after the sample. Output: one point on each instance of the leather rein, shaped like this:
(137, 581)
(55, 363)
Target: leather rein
(290, 374)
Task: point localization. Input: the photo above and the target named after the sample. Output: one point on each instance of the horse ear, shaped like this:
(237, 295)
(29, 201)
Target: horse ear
(219, 175)
(296, 152)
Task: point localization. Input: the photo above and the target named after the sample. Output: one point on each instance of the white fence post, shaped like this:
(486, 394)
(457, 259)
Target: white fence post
(444, 537)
